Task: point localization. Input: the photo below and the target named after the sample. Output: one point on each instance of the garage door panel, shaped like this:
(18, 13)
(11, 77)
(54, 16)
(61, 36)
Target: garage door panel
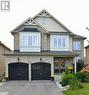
(18, 71)
(41, 71)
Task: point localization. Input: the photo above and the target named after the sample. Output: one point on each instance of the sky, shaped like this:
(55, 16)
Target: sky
(74, 14)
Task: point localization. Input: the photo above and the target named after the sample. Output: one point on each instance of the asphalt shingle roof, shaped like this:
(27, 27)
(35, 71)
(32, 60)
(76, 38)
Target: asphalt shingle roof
(44, 53)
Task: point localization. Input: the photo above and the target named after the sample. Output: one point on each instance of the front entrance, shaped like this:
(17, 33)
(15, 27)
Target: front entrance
(40, 71)
(18, 71)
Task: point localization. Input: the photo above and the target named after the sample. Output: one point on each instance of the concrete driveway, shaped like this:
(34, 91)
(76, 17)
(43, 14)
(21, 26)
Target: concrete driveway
(30, 88)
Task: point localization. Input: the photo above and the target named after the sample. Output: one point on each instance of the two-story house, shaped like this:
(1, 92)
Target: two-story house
(43, 47)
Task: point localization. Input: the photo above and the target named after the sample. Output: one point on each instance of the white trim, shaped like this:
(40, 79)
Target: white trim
(75, 65)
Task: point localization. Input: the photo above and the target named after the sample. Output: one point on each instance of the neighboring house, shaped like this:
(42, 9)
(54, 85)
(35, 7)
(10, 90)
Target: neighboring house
(43, 47)
(87, 54)
(3, 49)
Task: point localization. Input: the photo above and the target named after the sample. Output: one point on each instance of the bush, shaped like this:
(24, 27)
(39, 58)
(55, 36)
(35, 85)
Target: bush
(81, 76)
(75, 84)
(70, 79)
(87, 77)
(66, 78)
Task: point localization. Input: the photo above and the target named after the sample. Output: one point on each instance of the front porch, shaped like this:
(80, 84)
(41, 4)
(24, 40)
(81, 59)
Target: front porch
(62, 64)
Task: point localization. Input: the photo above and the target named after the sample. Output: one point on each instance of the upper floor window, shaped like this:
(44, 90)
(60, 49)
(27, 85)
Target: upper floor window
(30, 41)
(58, 42)
(76, 45)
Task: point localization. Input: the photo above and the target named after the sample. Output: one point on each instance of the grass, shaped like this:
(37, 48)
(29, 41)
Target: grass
(83, 91)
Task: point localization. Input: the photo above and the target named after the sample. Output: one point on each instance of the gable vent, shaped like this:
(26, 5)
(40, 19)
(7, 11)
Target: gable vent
(43, 13)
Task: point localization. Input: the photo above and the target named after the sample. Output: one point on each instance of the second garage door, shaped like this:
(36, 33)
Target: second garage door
(18, 71)
(40, 71)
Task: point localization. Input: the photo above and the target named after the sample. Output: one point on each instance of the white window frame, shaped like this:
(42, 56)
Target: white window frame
(59, 43)
(34, 45)
(76, 45)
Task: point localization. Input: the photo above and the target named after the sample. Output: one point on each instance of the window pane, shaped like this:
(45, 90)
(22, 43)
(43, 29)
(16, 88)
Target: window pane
(76, 45)
(34, 40)
(55, 42)
(30, 40)
(24, 40)
(63, 42)
(59, 42)
(56, 71)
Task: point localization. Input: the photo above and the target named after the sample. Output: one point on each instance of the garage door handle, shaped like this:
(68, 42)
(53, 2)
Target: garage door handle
(40, 73)
(18, 74)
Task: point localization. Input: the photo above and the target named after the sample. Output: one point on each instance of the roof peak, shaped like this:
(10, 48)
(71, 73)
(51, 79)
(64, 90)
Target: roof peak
(29, 21)
(43, 12)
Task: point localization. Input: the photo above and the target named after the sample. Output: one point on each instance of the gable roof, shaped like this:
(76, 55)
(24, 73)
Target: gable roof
(3, 45)
(29, 21)
(78, 36)
(47, 14)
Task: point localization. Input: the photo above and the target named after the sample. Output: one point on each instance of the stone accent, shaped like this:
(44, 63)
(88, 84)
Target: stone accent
(16, 41)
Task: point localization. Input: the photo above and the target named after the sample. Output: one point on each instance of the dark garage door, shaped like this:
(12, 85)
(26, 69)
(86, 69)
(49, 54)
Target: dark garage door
(41, 71)
(18, 71)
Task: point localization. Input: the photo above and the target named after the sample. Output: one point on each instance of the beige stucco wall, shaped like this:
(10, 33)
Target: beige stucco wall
(29, 60)
(50, 24)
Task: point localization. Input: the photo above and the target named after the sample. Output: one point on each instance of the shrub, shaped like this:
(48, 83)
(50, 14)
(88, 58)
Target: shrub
(85, 71)
(81, 76)
(66, 78)
(70, 79)
(75, 84)
(87, 77)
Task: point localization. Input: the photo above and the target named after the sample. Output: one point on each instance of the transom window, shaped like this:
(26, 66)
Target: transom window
(76, 45)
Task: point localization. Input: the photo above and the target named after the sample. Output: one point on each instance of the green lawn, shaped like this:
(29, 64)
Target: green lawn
(83, 91)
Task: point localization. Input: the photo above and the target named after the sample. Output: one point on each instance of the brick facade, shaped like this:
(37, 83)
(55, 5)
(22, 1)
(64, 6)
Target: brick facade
(87, 54)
